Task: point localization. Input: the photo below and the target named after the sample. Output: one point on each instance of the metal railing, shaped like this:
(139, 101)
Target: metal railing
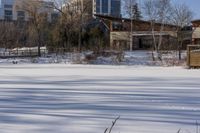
(21, 53)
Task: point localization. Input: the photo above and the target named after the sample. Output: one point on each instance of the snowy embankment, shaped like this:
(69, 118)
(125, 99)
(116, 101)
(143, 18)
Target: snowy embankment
(139, 58)
(85, 99)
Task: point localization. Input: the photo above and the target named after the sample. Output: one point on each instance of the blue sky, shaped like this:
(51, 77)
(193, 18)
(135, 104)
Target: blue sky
(194, 6)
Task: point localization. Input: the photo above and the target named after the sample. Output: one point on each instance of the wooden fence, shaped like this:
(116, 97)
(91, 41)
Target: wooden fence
(193, 56)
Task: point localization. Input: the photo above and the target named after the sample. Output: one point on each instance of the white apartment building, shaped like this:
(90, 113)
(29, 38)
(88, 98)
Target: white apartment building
(8, 10)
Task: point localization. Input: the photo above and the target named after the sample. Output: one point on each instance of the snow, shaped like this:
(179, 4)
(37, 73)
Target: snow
(136, 58)
(64, 98)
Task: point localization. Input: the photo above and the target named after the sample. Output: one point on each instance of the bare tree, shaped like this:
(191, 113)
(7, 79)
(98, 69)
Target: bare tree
(157, 11)
(151, 13)
(181, 16)
(74, 15)
(128, 7)
(66, 25)
(132, 10)
(164, 8)
(9, 34)
(37, 14)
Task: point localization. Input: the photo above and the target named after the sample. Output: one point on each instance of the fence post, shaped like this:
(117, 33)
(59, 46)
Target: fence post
(30, 52)
(188, 56)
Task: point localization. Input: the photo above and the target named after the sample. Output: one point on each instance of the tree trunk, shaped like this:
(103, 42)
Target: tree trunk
(180, 50)
(39, 42)
(160, 43)
(39, 52)
(80, 40)
(153, 35)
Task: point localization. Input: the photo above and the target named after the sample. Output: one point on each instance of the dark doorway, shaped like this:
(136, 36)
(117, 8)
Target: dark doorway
(140, 43)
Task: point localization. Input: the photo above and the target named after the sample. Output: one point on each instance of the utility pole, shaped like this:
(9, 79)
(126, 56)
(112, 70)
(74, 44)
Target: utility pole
(131, 34)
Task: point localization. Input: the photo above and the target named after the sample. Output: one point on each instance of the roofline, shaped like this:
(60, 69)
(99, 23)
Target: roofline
(196, 20)
(127, 19)
(117, 18)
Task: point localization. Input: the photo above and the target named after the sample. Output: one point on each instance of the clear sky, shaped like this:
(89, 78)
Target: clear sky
(194, 6)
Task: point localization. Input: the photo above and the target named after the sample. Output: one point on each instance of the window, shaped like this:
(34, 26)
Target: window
(54, 17)
(21, 15)
(115, 7)
(8, 14)
(98, 4)
(105, 6)
(8, 6)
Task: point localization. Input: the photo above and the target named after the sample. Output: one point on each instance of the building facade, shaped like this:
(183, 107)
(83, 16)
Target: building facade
(107, 7)
(12, 10)
(196, 32)
(6, 9)
(120, 34)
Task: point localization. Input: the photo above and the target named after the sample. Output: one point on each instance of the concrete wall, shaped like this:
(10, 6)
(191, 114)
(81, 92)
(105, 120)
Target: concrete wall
(141, 39)
(196, 33)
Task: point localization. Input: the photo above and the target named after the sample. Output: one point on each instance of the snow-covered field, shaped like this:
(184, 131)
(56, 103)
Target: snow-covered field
(64, 98)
